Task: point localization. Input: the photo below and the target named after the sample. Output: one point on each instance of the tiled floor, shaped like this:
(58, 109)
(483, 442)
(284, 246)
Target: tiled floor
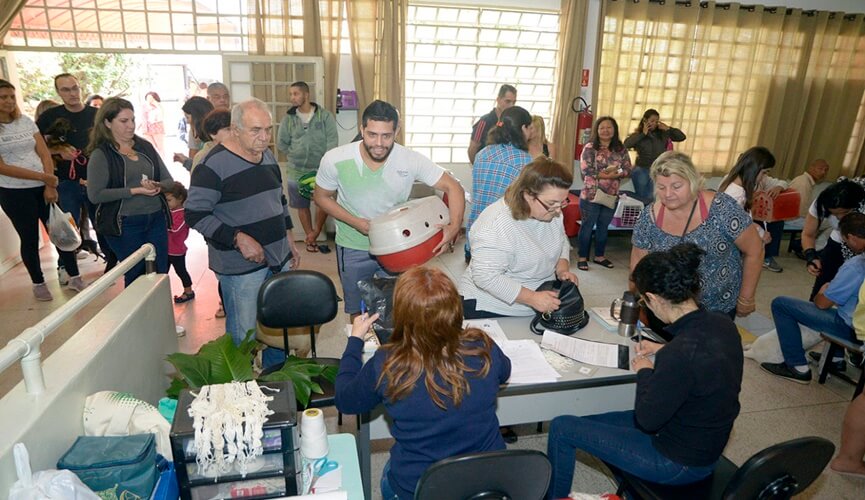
(773, 410)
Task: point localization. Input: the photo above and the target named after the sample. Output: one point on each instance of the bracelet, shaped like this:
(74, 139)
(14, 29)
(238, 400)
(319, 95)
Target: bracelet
(810, 255)
(745, 302)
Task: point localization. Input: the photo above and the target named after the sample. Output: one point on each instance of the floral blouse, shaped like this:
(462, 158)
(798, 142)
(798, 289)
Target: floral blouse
(721, 267)
(593, 161)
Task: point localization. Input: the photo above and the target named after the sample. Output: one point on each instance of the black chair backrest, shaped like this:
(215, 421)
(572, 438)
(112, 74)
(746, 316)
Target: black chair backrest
(782, 470)
(296, 298)
(499, 475)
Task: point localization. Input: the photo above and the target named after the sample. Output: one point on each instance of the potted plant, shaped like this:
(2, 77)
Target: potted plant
(220, 361)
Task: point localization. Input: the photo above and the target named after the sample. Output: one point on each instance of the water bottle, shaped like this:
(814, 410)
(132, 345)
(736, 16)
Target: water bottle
(628, 314)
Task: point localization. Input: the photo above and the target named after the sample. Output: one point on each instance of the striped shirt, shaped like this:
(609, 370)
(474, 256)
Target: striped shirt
(495, 168)
(227, 195)
(509, 254)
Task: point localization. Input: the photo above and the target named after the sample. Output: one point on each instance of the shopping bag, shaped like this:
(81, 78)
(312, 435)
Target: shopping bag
(46, 484)
(62, 230)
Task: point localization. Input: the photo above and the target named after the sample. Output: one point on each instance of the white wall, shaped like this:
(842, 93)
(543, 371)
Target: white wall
(123, 348)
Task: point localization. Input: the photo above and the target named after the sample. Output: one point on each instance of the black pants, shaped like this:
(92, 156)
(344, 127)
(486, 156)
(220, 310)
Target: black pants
(831, 259)
(470, 310)
(25, 208)
(178, 262)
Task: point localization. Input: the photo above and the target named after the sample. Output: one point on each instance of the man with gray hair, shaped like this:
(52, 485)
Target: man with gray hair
(217, 94)
(236, 201)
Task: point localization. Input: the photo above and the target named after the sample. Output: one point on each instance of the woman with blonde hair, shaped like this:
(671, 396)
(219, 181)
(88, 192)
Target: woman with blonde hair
(437, 380)
(538, 144)
(685, 212)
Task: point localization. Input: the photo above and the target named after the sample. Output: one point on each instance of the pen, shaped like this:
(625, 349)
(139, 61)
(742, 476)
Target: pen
(363, 309)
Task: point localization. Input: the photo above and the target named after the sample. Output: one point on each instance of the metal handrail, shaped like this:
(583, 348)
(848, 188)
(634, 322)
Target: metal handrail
(26, 346)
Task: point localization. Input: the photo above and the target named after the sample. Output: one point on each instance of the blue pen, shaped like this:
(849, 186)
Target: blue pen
(363, 309)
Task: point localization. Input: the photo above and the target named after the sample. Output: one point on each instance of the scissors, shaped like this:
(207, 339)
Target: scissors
(319, 468)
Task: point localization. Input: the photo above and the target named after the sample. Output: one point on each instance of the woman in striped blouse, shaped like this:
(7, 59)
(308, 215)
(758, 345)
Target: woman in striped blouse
(518, 243)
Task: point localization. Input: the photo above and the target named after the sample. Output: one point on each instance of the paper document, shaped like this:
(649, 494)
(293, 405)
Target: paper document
(607, 320)
(528, 365)
(491, 327)
(584, 351)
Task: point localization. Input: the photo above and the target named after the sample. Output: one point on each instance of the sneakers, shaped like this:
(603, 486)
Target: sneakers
(180, 330)
(76, 284)
(41, 292)
(62, 276)
(784, 371)
(771, 265)
(836, 365)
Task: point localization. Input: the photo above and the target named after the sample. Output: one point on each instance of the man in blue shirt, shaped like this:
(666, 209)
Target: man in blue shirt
(842, 291)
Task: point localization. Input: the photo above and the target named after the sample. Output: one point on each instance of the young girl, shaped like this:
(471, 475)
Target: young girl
(177, 235)
(437, 381)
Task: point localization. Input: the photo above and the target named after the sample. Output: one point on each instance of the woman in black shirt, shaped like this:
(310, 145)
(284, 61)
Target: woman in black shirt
(687, 399)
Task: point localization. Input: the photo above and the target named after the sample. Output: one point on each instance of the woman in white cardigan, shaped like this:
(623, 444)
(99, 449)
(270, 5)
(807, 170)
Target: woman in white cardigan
(518, 243)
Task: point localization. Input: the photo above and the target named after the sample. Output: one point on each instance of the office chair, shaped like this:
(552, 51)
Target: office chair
(299, 299)
(832, 343)
(775, 473)
(492, 475)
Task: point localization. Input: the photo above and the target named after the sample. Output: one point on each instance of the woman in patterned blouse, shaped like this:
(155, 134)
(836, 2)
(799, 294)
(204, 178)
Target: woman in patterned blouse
(684, 212)
(604, 163)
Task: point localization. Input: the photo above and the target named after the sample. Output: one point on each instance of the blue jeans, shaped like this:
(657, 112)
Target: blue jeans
(789, 313)
(644, 189)
(615, 439)
(594, 214)
(72, 198)
(386, 491)
(136, 231)
(353, 266)
(240, 301)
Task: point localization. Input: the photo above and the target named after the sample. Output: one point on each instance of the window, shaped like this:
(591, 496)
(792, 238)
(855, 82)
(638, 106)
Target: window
(132, 25)
(457, 57)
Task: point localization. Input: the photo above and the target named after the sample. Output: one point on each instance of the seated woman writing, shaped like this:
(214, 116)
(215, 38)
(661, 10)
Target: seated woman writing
(438, 381)
(518, 243)
(687, 399)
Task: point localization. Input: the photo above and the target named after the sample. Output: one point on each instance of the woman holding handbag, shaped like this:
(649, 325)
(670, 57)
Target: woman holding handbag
(604, 163)
(27, 186)
(518, 243)
(126, 179)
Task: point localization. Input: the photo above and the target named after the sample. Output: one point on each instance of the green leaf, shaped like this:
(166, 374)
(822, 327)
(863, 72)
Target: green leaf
(191, 368)
(301, 381)
(329, 373)
(227, 362)
(248, 344)
(177, 384)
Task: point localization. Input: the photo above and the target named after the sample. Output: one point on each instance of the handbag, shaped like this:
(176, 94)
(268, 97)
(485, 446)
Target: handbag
(602, 198)
(569, 317)
(114, 467)
(110, 413)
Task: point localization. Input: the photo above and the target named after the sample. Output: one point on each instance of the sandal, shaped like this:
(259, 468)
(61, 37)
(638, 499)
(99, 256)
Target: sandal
(583, 265)
(184, 297)
(311, 247)
(604, 262)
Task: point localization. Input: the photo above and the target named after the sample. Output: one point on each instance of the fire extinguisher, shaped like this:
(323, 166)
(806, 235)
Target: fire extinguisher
(584, 125)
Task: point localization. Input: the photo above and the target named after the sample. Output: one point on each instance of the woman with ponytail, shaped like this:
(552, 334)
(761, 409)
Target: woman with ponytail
(500, 161)
(687, 390)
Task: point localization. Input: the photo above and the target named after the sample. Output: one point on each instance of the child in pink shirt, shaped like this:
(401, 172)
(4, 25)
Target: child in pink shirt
(177, 235)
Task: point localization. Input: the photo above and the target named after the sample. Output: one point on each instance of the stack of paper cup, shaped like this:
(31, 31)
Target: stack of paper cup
(313, 435)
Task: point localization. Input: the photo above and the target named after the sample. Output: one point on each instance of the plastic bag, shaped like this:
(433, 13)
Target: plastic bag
(377, 293)
(47, 484)
(62, 230)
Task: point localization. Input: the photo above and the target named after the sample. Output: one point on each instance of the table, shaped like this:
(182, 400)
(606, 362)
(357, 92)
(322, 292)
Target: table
(342, 449)
(609, 389)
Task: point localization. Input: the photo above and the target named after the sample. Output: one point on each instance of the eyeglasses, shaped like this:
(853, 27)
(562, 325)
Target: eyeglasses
(552, 208)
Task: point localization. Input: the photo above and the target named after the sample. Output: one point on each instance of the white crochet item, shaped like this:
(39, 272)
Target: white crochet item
(228, 420)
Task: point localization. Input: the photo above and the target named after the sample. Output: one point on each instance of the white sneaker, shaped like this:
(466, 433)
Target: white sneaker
(41, 292)
(62, 276)
(76, 284)
(180, 330)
